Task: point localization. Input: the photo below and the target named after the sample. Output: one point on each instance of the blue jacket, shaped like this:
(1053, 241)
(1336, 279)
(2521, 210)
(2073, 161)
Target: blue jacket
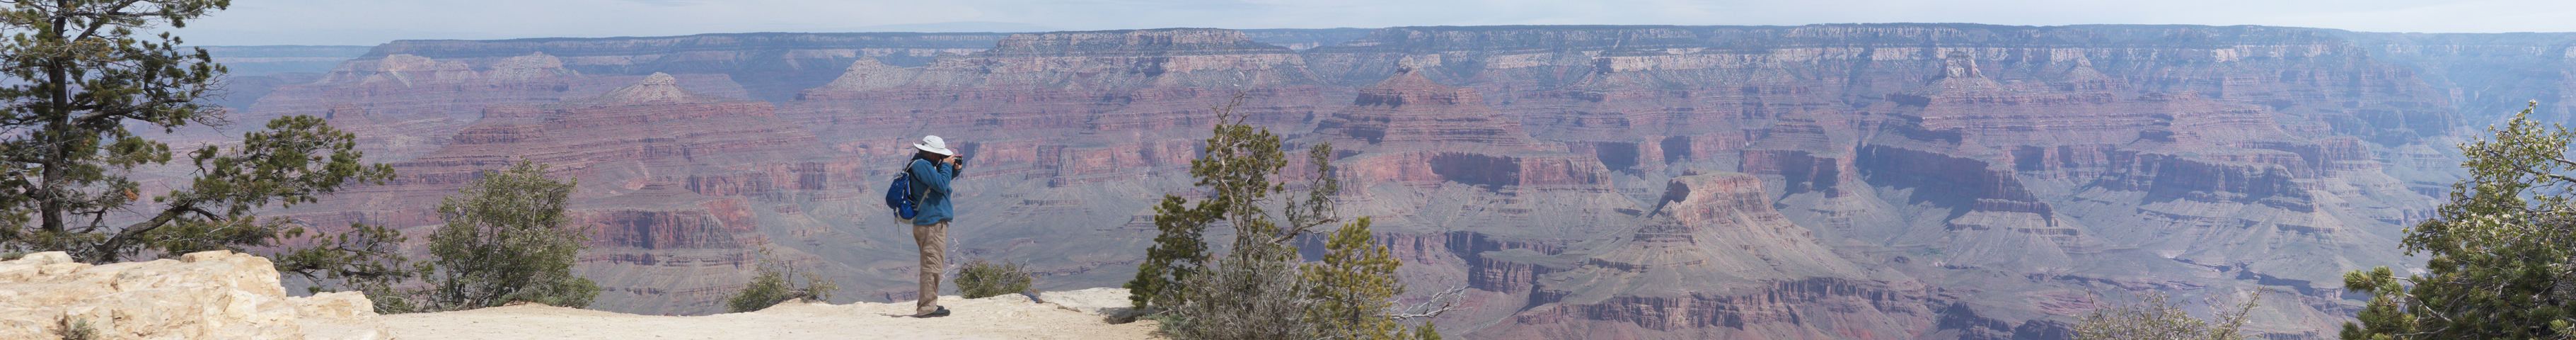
(930, 180)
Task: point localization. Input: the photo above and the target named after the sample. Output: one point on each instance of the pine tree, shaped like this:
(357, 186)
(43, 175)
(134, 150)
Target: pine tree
(1235, 168)
(1354, 289)
(2501, 267)
(82, 87)
(1260, 288)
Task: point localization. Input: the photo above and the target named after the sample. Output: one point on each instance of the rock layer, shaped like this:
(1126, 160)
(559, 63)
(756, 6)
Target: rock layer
(671, 184)
(1713, 261)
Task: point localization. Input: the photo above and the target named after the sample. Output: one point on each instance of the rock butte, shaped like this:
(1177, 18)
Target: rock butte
(1932, 181)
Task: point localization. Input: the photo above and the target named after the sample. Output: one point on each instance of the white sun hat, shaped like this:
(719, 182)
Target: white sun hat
(934, 144)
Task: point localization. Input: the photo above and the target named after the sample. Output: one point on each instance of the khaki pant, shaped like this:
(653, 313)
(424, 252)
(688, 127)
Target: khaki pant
(934, 261)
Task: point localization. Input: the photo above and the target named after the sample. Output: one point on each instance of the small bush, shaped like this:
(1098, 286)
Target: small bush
(1243, 298)
(773, 286)
(75, 329)
(980, 278)
(2156, 316)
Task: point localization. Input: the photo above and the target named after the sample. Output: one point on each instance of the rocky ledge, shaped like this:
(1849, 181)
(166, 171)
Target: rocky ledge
(1055, 315)
(226, 295)
(205, 295)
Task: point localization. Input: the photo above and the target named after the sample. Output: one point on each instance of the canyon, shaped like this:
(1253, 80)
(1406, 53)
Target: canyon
(1849, 181)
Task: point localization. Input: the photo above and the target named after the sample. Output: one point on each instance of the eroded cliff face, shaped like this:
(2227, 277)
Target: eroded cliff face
(1426, 157)
(771, 66)
(675, 187)
(1969, 148)
(413, 103)
(1896, 180)
(1713, 260)
(2490, 75)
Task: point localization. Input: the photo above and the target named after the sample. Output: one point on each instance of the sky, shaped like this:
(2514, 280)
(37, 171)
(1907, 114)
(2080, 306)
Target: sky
(370, 22)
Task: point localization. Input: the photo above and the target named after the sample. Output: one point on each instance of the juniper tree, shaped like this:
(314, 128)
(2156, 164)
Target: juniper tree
(1260, 288)
(507, 240)
(81, 89)
(1235, 168)
(2501, 267)
(1354, 290)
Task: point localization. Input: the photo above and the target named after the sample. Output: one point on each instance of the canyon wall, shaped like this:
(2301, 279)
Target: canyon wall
(1937, 181)
(2491, 75)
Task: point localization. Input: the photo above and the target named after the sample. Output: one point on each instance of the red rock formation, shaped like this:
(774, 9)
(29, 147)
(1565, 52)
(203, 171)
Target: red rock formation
(1409, 112)
(771, 66)
(435, 98)
(1713, 261)
(1023, 98)
(2002, 156)
(668, 182)
(1425, 156)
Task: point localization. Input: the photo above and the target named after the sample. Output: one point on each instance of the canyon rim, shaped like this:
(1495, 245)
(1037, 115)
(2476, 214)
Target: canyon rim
(1848, 181)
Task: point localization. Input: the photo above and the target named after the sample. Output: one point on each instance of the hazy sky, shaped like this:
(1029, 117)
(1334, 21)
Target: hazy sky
(369, 22)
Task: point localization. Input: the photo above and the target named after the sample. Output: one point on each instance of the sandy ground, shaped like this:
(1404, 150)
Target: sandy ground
(1004, 317)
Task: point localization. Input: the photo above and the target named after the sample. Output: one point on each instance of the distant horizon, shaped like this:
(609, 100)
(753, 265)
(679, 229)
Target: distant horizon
(184, 35)
(356, 22)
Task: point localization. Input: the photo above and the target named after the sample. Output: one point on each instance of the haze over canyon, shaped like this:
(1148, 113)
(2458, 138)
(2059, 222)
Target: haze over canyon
(1847, 181)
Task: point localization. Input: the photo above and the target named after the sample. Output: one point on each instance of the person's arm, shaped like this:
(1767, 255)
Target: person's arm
(931, 174)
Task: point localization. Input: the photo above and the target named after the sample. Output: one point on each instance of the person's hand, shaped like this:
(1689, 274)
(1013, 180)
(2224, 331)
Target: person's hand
(955, 161)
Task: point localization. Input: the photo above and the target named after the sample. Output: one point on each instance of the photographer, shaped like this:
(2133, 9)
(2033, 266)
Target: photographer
(933, 166)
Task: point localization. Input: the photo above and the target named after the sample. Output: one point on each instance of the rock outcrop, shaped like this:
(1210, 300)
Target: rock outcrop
(1414, 151)
(205, 295)
(1713, 261)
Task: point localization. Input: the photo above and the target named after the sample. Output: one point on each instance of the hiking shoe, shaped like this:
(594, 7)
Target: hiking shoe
(943, 311)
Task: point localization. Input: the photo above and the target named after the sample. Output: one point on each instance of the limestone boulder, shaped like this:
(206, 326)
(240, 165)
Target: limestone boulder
(204, 295)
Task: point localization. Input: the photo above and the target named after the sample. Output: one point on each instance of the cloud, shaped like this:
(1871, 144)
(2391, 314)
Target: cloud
(367, 22)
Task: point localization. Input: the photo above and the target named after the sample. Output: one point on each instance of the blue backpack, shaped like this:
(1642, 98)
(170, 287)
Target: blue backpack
(899, 194)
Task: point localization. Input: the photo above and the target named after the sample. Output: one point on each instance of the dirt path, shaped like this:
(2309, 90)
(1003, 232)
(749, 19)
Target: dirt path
(989, 318)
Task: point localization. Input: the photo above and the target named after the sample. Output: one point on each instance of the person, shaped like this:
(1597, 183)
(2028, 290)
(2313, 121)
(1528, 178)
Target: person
(933, 167)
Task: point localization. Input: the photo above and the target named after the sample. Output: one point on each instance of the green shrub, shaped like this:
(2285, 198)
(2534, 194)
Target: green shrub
(507, 240)
(981, 279)
(1252, 295)
(1262, 288)
(772, 287)
(2498, 265)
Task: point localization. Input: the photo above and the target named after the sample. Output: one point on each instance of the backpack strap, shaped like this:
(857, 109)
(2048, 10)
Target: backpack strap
(915, 194)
